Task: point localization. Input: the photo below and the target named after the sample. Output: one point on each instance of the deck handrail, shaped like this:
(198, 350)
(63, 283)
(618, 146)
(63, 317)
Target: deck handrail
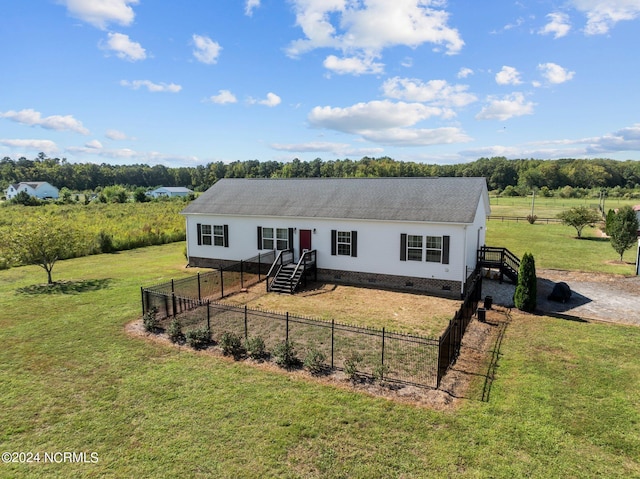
(302, 261)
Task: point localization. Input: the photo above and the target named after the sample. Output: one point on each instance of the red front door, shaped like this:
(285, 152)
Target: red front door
(305, 240)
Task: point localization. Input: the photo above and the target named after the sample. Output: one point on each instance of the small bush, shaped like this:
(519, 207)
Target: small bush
(532, 219)
(150, 321)
(105, 243)
(380, 372)
(351, 366)
(175, 331)
(255, 348)
(284, 355)
(231, 345)
(314, 361)
(198, 338)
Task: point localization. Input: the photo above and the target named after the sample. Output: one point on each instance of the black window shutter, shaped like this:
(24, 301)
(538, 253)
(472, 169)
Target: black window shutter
(259, 237)
(403, 247)
(334, 242)
(199, 229)
(226, 235)
(354, 244)
(291, 239)
(445, 249)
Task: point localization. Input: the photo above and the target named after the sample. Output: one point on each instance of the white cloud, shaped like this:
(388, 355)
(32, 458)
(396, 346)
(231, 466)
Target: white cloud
(152, 87)
(437, 92)
(369, 26)
(100, 13)
(602, 15)
(313, 146)
(374, 115)
(250, 6)
(625, 139)
(465, 72)
(55, 122)
(386, 122)
(558, 25)
(116, 135)
(206, 50)
(45, 146)
(223, 97)
(505, 107)
(554, 73)
(352, 65)
(508, 76)
(95, 144)
(124, 48)
(416, 136)
(271, 100)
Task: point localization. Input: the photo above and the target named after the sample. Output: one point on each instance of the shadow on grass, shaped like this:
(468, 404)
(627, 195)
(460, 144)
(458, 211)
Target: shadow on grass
(593, 238)
(66, 287)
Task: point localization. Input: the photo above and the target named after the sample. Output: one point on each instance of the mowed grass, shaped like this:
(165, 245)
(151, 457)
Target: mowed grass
(565, 401)
(556, 246)
(550, 207)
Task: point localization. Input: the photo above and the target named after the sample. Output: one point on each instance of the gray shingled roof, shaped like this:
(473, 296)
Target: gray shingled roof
(442, 200)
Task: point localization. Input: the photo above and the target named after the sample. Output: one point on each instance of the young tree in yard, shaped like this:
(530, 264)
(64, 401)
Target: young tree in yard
(41, 240)
(526, 296)
(624, 230)
(579, 217)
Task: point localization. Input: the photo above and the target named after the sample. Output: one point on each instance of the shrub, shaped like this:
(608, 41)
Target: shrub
(525, 296)
(284, 355)
(150, 321)
(105, 242)
(532, 219)
(380, 372)
(175, 331)
(351, 366)
(198, 338)
(255, 348)
(231, 345)
(314, 361)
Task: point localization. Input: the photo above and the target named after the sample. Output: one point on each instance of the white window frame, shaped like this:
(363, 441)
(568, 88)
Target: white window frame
(218, 235)
(343, 243)
(415, 247)
(206, 235)
(433, 247)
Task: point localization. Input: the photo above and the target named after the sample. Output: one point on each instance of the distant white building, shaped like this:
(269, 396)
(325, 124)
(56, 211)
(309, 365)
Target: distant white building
(169, 191)
(39, 189)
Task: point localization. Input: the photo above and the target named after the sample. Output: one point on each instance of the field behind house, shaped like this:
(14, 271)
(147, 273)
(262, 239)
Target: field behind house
(544, 207)
(130, 225)
(564, 400)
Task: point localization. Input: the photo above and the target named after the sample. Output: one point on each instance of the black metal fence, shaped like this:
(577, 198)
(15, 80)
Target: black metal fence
(397, 357)
(451, 339)
(177, 296)
(400, 358)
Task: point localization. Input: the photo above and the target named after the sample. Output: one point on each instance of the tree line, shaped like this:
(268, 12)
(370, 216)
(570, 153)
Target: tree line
(510, 177)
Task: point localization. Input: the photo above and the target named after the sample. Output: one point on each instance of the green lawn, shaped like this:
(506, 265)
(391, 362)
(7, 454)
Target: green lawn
(549, 207)
(556, 246)
(565, 401)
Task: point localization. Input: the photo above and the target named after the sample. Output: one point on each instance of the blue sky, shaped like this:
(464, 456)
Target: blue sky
(188, 82)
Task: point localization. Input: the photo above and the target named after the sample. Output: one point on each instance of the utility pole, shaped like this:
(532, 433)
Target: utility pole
(533, 201)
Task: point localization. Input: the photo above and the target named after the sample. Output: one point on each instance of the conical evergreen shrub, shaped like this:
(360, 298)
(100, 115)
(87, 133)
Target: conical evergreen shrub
(525, 297)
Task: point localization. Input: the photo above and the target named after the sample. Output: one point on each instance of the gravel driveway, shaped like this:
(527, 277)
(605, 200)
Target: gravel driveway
(598, 296)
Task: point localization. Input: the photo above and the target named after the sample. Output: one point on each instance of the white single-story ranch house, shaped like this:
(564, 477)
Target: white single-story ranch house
(39, 189)
(169, 191)
(419, 234)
